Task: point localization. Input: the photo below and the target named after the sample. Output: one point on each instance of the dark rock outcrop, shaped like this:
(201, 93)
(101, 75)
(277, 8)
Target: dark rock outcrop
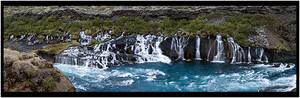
(27, 72)
(151, 11)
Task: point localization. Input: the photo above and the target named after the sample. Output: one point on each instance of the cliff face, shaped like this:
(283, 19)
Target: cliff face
(27, 72)
(153, 11)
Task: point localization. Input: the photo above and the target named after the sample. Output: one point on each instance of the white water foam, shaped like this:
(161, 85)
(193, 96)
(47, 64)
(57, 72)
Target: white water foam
(219, 58)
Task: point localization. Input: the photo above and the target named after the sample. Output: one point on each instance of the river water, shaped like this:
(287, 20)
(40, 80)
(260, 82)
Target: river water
(182, 77)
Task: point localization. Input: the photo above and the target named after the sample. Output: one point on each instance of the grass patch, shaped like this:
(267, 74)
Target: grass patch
(55, 48)
(95, 42)
(281, 47)
(49, 83)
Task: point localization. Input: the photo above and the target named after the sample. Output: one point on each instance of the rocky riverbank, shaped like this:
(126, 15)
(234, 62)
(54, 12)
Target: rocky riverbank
(27, 72)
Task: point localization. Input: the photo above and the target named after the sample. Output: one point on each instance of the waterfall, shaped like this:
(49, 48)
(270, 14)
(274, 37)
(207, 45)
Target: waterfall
(261, 55)
(29, 38)
(87, 63)
(237, 51)
(75, 60)
(103, 37)
(158, 52)
(107, 53)
(198, 57)
(84, 39)
(11, 37)
(249, 55)
(178, 45)
(266, 59)
(208, 53)
(146, 48)
(220, 50)
(260, 52)
(143, 44)
(22, 37)
(47, 39)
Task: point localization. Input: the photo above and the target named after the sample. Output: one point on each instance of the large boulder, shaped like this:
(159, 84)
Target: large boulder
(27, 72)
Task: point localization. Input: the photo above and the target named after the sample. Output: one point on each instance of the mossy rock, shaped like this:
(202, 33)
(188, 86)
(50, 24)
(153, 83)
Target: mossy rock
(54, 49)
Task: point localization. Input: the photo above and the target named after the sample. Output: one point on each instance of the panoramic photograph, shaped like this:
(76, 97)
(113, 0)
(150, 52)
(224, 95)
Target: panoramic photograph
(149, 48)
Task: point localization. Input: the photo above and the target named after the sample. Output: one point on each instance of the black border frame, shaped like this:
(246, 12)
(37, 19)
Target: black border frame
(153, 94)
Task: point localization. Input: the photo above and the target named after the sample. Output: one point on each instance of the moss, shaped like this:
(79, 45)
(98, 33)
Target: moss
(94, 42)
(281, 47)
(55, 48)
(74, 43)
(30, 73)
(48, 83)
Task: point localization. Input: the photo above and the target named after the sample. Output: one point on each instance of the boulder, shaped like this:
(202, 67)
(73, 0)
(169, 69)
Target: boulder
(27, 72)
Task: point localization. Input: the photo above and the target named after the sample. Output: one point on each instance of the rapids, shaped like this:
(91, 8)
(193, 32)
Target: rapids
(182, 77)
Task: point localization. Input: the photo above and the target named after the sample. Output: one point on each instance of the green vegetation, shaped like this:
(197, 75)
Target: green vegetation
(57, 48)
(232, 24)
(94, 42)
(30, 73)
(281, 47)
(48, 83)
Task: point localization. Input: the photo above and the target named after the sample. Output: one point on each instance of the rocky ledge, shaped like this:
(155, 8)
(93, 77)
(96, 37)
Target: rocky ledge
(84, 12)
(27, 72)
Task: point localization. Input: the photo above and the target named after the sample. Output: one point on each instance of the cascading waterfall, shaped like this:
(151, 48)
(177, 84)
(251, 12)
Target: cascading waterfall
(106, 53)
(198, 48)
(219, 58)
(11, 37)
(261, 55)
(158, 52)
(84, 39)
(29, 38)
(178, 45)
(102, 37)
(143, 49)
(249, 55)
(208, 53)
(237, 51)
(22, 37)
(143, 44)
(266, 59)
(68, 56)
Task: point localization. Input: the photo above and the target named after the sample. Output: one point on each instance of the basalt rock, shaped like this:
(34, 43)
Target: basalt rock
(27, 72)
(149, 11)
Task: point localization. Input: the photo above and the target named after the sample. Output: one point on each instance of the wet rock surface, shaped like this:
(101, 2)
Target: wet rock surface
(27, 72)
